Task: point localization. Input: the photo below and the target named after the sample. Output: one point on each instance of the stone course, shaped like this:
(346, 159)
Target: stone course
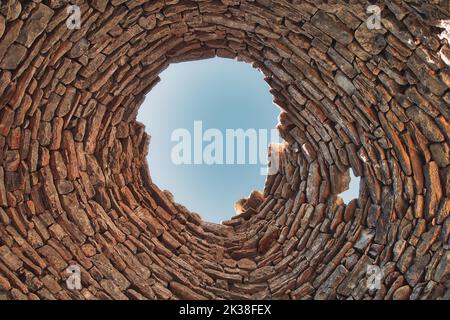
(75, 187)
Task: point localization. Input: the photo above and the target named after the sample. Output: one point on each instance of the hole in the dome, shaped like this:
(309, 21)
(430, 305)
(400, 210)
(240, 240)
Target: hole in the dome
(197, 151)
(353, 189)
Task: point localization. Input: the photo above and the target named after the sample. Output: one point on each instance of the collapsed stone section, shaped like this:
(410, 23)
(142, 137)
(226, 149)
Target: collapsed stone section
(75, 188)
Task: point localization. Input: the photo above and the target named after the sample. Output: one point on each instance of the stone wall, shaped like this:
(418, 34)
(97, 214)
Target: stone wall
(75, 188)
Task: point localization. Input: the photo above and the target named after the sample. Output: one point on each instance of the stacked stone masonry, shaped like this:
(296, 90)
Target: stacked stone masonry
(75, 187)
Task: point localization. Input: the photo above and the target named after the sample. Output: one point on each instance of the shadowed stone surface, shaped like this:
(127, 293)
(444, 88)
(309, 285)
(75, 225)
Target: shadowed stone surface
(75, 188)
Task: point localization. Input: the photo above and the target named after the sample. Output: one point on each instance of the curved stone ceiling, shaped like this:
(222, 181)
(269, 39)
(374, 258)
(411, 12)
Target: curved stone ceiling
(75, 189)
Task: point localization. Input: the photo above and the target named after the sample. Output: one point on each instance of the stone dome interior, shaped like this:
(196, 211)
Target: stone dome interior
(75, 187)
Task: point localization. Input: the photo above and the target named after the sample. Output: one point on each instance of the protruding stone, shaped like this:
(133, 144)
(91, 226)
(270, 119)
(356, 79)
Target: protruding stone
(433, 193)
(35, 25)
(268, 239)
(372, 41)
(340, 181)
(14, 56)
(402, 293)
(332, 26)
(425, 123)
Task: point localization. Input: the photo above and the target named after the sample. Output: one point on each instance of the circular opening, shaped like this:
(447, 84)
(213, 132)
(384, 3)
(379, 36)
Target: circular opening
(210, 123)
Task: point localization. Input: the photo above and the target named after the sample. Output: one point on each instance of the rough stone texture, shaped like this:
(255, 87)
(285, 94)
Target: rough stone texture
(75, 188)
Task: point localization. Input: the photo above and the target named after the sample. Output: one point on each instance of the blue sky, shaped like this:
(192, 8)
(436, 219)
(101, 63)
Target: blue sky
(223, 94)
